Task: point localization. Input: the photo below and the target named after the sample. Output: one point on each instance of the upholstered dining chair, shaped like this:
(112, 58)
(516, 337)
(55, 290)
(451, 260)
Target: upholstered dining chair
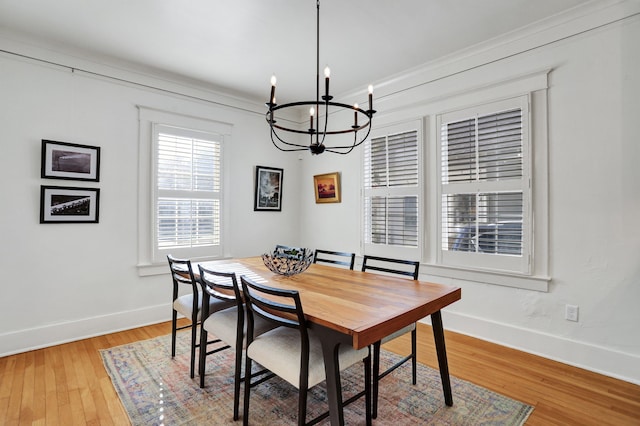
(292, 351)
(189, 305)
(334, 258)
(399, 267)
(228, 325)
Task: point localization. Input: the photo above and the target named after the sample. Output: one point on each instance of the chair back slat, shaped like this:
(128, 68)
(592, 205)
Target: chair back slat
(333, 257)
(221, 285)
(385, 264)
(182, 273)
(274, 309)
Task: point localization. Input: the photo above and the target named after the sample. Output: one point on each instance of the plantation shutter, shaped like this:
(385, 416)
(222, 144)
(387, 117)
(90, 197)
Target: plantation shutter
(188, 188)
(484, 182)
(391, 186)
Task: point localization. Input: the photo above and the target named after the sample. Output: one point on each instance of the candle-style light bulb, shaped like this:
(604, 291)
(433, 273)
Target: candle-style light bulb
(327, 73)
(370, 97)
(355, 115)
(312, 112)
(272, 98)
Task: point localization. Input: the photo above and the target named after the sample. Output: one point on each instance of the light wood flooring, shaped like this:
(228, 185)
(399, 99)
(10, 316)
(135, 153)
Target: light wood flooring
(67, 384)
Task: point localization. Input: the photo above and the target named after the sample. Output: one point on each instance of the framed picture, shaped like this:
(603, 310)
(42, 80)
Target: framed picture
(63, 204)
(327, 188)
(62, 160)
(268, 191)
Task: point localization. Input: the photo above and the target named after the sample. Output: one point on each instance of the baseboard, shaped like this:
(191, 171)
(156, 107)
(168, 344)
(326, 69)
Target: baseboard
(64, 332)
(594, 358)
(598, 359)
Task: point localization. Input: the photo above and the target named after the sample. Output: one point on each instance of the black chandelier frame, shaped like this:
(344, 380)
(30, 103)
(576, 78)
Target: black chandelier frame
(318, 147)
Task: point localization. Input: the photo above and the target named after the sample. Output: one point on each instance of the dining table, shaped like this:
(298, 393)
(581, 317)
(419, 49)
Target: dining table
(348, 307)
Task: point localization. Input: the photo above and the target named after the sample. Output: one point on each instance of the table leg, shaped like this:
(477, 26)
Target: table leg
(330, 343)
(438, 335)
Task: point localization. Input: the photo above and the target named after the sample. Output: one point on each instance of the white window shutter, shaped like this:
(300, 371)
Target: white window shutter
(391, 179)
(188, 189)
(484, 186)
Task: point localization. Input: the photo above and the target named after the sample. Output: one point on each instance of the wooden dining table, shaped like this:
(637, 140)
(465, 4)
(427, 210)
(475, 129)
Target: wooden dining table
(358, 309)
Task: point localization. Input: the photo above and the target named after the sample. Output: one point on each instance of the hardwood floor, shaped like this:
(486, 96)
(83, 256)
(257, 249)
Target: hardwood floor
(67, 384)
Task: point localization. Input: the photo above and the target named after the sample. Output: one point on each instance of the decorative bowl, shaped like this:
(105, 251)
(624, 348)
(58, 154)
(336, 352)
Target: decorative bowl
(288, 265)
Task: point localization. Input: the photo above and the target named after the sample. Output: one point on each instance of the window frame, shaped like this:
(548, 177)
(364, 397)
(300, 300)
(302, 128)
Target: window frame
(386, 249)
(150, 261)
(534, 84)
(491, 262)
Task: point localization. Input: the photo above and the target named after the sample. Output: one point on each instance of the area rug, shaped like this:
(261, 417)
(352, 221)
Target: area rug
(156, 389)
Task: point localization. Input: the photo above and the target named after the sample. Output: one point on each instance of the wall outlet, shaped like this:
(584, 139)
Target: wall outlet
(571, 312)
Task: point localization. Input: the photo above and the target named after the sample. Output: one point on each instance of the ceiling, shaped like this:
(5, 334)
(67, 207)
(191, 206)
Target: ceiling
(236, 45)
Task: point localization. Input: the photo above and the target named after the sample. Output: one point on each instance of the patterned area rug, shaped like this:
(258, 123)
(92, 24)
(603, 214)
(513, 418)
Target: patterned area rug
(156, 390)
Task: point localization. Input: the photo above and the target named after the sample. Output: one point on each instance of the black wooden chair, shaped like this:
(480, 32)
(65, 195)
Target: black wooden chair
(399, 267)
(189, 305)
(334, 258)
(292, 350)
(228, 325)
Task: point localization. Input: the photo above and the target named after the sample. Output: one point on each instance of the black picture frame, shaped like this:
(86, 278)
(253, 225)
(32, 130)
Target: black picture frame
(64, 160)
(268, 189)
(64, 204)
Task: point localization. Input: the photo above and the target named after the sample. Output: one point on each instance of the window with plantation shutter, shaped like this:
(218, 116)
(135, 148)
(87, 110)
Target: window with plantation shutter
(484, 186)
(188, 191)
(391, 188)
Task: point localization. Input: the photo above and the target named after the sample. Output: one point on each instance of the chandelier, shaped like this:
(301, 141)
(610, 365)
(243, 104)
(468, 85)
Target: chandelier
(320, 131)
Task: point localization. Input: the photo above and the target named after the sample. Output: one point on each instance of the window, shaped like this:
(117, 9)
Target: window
(188, 191)
(485, 186)
(181, 183)
(391, 188)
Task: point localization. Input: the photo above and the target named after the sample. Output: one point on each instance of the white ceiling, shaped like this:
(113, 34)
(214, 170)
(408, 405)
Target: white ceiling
(236, 45)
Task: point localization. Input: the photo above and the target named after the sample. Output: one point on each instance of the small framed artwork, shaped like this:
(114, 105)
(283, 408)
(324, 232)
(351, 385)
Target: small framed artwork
(327, 188)
(268, 190)
(62, 160)
(63, 204)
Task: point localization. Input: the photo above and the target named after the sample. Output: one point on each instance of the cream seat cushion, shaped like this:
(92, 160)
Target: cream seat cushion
(223, 325)
(184, 304)
(279, 351)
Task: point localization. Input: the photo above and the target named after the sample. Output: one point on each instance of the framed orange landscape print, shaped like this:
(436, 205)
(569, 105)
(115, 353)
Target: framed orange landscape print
(327, 187)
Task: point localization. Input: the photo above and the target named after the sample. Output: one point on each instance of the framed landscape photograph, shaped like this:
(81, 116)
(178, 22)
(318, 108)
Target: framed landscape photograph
(327, 188)
(268, 190)
(62, 160)
(63, 204)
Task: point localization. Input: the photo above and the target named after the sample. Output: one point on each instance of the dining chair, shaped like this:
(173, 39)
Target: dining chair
(228, 325)
(291, 350)
(399, 267)
(334, 258)
(189, 305)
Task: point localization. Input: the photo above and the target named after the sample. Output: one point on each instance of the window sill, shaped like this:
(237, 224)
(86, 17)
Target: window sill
(151, 269)
(527, 282)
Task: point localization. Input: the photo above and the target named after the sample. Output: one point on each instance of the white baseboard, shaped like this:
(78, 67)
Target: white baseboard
(64, 332)
(589, 357)
(594, 358)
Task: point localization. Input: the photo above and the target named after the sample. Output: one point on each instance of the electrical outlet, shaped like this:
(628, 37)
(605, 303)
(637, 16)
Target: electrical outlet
(571, 312)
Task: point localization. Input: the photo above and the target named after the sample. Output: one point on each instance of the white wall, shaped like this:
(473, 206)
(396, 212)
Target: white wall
(67, 281)
(593, 195)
